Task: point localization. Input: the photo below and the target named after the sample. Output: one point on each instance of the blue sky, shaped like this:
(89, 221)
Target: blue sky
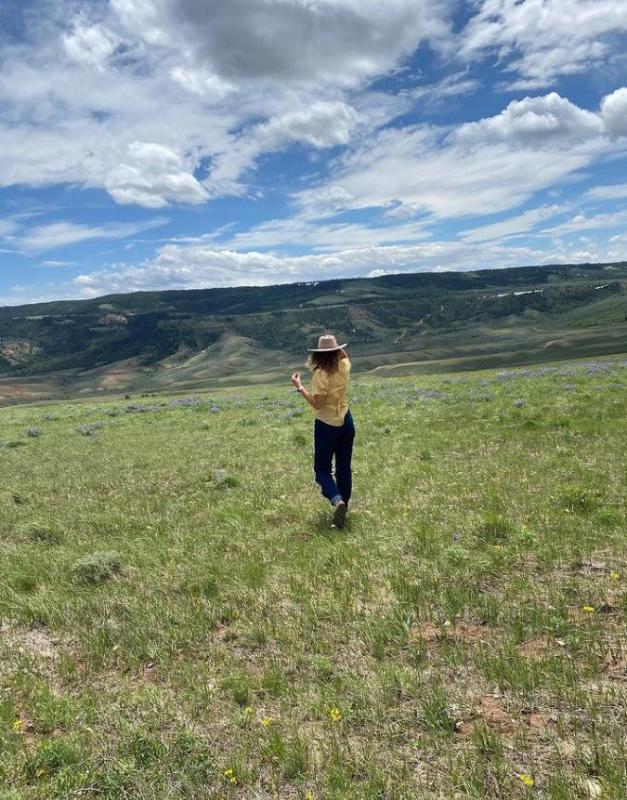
(154, 144)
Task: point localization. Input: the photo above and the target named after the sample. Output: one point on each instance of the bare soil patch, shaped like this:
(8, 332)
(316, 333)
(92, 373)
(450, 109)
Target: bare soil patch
(463, 632)
(536, 647)
(491, 711)
(37, 642)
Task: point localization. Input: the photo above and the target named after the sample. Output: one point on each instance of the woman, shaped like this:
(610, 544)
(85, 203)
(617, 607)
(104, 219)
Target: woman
(334, 430)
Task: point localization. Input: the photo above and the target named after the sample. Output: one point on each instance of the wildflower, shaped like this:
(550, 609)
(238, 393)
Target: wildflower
(248, 710)
(615, 576)
(526, 779)
(18, 726)
(309, 795)
(266, 722)
(229, 774)
(334, 714)
(587, 609)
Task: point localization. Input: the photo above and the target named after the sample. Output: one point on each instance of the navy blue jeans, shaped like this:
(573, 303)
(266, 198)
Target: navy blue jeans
(334, 441)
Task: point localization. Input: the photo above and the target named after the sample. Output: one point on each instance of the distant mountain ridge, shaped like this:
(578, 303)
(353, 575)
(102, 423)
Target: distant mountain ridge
(195, 338)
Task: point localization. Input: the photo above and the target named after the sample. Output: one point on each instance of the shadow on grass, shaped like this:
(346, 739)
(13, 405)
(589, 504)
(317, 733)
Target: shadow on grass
(322, 525)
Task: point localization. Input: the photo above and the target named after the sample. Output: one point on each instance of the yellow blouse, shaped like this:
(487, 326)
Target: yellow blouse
(332, 388)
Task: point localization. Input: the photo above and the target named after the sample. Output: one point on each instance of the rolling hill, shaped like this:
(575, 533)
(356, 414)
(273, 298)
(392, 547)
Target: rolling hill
(424, 322)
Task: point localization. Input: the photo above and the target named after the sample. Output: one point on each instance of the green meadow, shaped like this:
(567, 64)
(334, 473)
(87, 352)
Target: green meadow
(179, 620)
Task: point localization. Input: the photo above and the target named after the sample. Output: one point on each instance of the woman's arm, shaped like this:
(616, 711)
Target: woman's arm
(312, 399)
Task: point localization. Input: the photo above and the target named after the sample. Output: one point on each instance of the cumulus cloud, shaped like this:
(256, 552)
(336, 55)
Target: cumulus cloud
(337, 42)
(320, 125)
(540, 40)
(534, 121)
(614, 112)
(483, 167)
(152, 176)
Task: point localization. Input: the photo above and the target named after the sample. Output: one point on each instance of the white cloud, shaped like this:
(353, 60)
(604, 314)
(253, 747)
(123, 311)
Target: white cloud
(533, 122)
(7, 226)
(90, 44)
(61, 234)
(542, 39)
(54, 263)
(330, 236)
(612, 191)
(583, 222)
(202, 82)
(320, 125)
(513, 226)
(153, 176)
(483, 167)
(614, 112)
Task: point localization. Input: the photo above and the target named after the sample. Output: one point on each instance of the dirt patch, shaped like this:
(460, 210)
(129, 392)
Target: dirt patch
(37, 642)
(535, 647)
(427, 631)
(463, 632)
(467, 632)
(537, 722)
(491, 712)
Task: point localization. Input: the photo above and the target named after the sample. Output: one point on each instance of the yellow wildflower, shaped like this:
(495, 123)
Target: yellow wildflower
(309, 795)
(266, 722)
(248, 710)
(587, 609)
(18, 726)
(615, 576)
(526, 779)
(229, 774)
(335, 715)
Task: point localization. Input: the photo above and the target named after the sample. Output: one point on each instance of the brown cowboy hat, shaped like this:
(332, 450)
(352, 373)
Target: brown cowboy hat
(326, 343)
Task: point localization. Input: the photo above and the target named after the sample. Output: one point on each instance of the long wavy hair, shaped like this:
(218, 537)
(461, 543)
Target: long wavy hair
(329, 362)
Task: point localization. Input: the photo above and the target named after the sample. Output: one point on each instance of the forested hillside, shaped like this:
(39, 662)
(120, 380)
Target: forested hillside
(153, 339)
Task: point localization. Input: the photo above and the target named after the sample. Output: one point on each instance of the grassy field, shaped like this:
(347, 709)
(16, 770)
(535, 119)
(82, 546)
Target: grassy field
(179, 620)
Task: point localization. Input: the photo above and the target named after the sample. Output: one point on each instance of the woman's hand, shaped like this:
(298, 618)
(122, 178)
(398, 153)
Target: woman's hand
(296, 381)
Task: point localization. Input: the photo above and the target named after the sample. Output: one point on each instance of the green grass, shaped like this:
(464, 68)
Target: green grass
(179, 620)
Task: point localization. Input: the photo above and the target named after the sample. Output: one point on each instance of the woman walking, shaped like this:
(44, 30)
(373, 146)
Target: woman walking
(334, 430)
